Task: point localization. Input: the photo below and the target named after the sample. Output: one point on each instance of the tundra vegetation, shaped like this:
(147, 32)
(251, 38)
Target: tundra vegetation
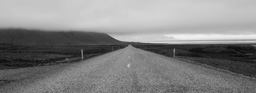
(17, 56)
(238, 58)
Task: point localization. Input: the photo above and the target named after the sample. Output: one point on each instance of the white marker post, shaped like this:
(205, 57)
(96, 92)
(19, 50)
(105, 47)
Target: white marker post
(82, 54)
(173, 52)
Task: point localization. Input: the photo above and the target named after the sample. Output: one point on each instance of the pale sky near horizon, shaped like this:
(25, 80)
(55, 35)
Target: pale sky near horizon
(137, 20)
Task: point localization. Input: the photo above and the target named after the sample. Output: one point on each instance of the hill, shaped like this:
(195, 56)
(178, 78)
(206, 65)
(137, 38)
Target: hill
(52, 38)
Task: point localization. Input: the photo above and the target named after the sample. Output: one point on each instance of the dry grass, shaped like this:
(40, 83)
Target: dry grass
(235, 58)
(28, 56)
(248, 69)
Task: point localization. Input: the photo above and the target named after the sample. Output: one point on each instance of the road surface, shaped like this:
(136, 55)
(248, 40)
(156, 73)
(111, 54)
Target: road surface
(128, 70)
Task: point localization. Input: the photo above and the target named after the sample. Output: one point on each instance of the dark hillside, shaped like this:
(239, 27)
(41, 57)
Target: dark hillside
(47, 38)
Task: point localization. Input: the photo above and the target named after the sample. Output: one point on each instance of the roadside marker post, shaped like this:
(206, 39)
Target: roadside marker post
(174, 52)
(82, 54)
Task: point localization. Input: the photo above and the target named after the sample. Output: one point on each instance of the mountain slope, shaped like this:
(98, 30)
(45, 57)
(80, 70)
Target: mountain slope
(32, 37)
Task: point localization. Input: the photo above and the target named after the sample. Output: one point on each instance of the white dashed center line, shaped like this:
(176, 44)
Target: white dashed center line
(128, 65)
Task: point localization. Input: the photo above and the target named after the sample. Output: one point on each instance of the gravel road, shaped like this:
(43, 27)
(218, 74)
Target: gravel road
(128, 70)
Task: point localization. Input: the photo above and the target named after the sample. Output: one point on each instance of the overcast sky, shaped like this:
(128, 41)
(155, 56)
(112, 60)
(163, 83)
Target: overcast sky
(137, 20)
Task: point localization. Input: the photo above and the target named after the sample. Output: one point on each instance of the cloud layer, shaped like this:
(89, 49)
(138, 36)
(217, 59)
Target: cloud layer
(119, 17)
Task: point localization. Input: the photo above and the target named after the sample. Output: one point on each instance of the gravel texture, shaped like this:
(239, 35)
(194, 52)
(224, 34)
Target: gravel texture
(128, 70)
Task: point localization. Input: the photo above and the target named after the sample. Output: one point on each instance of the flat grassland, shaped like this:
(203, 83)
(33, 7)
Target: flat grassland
(14, 56)
(237, 58)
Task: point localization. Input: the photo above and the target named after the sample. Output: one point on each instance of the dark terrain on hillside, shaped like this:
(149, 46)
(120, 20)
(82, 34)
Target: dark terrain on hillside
(53, 38)
(28, 48)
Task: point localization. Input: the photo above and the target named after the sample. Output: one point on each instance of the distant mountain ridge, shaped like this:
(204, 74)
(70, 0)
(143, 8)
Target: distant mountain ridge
(47, 38)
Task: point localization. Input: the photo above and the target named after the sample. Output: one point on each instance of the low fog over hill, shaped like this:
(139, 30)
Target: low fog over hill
(31, 37)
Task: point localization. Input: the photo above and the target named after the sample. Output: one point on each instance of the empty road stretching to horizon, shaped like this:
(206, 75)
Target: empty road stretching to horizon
(128, 70)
